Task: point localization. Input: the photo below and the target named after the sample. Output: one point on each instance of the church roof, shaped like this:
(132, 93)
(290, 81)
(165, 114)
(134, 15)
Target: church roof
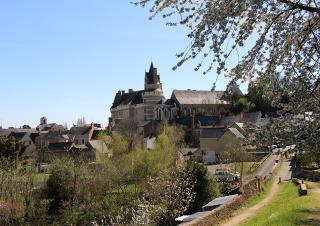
(196, 97)
(152, 76)
(131, 98)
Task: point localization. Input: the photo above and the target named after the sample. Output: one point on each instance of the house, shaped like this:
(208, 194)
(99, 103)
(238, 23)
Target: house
(29, 140)
(210, 139)
(87, 135)
(44, 126)
(68, 148)
(216, 140)
(48, 137)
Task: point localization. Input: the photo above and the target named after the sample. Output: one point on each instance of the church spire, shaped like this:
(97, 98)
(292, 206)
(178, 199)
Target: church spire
(152, 79)
(151, 67)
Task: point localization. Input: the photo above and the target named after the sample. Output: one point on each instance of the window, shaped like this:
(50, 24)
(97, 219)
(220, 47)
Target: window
(82, 141)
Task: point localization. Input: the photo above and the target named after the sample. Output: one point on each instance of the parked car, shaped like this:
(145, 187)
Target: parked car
(227, 175)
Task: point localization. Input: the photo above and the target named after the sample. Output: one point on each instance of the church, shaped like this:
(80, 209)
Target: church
(138, 105)
(149, 105)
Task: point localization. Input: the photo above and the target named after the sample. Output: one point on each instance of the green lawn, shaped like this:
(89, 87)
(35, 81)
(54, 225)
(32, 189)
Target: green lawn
(288, 208)
(248, 167)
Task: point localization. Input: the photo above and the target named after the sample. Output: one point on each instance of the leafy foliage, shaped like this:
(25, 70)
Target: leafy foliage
(275, 42)
(192, 139)
(11, 149)
(165, 198)
(206, 187)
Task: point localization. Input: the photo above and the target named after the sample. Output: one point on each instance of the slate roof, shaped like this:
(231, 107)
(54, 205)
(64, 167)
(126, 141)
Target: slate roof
(79, 130)
(212, 132)
(188, 151)
(207, 120)
(197, 97)
(18, 135)
(236, 132)
(60, 147)
(254, 118)
(219, 201)
(193, 216)
(33, 137)
(6, 132)
(170, 102)
(131, 98)
(152, 76)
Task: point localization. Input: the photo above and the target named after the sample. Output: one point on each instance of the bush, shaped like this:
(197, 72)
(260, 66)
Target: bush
(206, 186)
(61, 184)
(308, 160)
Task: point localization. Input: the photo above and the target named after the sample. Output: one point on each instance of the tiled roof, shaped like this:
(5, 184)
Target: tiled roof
(196, 97)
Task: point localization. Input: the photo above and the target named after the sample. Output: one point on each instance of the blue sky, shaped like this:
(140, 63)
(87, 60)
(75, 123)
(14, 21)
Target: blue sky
(65, 59)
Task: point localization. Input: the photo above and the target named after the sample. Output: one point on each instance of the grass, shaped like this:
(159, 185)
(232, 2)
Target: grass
(41, 178)
(248, 167)
(288, 208)
(255, 199)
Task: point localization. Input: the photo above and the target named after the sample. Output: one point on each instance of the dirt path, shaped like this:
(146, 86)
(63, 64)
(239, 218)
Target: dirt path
(316, 190)
(247, 213)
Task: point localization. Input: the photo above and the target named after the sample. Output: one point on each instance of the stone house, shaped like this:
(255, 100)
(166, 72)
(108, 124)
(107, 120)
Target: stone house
(216, 140)
(29, 140)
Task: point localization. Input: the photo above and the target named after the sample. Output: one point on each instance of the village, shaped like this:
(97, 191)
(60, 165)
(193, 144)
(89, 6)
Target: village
(160, 113)
(214, 132)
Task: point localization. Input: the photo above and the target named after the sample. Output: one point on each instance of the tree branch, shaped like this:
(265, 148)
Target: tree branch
(295, 5)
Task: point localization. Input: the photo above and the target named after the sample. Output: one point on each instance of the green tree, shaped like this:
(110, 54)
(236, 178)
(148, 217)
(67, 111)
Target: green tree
(118, 145)
(192, 139)
(61, 185)
(206, 186)
(241, 105)
(129, 130)
(256, 95)
(11, 149)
